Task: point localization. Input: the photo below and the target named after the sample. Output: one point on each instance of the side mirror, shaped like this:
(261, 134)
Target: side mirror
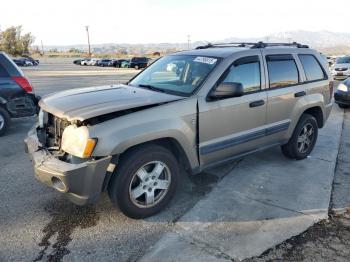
(227, 90)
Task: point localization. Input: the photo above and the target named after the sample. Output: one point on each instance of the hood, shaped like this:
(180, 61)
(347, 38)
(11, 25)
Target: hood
(85, 103)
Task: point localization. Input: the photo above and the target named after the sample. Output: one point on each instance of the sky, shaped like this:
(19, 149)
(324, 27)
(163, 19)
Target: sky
(62, 22)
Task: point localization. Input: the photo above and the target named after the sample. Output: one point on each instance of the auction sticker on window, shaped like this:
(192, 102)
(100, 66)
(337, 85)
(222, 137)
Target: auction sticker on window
(205, 60)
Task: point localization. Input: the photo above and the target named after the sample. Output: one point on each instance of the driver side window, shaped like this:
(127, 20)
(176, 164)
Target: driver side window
(247, 72)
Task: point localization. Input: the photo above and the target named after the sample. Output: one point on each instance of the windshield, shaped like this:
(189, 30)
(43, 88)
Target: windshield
(343, 60)
(177, 74)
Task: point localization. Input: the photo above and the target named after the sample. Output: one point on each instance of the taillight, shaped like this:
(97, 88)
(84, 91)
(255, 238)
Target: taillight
(24, 83)
(331, 87)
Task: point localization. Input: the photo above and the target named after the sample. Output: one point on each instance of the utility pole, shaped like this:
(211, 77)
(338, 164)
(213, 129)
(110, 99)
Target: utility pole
(188, 42)
(88, 38)
(42, 47)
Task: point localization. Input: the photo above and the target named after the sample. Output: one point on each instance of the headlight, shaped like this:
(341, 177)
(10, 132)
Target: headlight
(76, 141)
(342, 87)
(41, 118)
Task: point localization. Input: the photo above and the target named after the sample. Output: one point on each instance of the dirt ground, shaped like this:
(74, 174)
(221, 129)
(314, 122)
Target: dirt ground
(325, 241)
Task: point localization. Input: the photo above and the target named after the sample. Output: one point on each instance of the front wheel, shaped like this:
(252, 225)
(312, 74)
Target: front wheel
(145, 181)
(303, 139)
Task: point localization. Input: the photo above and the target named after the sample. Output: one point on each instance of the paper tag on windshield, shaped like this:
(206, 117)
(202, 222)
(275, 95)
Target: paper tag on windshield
(205, 60)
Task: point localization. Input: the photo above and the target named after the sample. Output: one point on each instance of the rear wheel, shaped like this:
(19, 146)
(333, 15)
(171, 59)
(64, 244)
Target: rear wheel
(303, 139)
(4, 121)
(144, 181)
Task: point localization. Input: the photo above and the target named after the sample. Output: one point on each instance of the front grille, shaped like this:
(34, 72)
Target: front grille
(54, 130)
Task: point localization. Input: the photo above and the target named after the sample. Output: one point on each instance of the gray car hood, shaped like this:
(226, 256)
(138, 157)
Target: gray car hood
(84, 103)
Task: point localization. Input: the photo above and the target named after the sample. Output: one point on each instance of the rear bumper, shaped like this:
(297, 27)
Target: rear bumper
(341, 97)
(81, 183)
(23, 106)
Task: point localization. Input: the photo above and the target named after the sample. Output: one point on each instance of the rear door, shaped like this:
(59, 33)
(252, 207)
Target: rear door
(285, 87)
(233, 126)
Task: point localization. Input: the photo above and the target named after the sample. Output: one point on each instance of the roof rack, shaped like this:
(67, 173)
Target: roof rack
(251, 45)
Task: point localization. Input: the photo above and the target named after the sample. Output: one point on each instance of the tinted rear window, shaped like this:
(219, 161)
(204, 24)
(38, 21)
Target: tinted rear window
(312, 68)
(283, 71)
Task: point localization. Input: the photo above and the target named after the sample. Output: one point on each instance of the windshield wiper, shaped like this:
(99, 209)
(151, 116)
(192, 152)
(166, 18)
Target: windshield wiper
(153, 88)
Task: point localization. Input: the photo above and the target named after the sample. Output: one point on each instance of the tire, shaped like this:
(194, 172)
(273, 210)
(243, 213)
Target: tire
(343, 106)
(143, 160)
(136, 67)
(4, 121)
(294, 148)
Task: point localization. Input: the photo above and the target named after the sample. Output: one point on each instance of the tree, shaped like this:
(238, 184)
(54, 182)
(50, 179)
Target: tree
(74, 50)
(25, 42)
(14, 43)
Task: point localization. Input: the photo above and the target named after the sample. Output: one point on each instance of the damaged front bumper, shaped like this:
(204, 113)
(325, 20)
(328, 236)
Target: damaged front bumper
(82, 183)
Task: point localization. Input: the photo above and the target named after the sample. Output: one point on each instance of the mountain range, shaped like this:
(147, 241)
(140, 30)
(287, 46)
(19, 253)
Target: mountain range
(326, 41)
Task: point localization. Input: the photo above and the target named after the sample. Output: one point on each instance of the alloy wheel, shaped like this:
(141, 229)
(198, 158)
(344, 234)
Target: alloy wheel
(150, 184)
(305, 138)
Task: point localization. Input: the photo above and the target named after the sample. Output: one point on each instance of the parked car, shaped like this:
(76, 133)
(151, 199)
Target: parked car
(77, 61)
(139, 62)
(125, 64)
(85, 61)
(118, 62)
(17, 98)
(213, 105)
(93, 61)
(342, 94)
(22, 62)
(105, 62)
(35, 62)
(341, 68)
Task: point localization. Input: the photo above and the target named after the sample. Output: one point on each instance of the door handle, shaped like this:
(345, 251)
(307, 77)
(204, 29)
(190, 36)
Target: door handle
(299, 94)
(257, 103)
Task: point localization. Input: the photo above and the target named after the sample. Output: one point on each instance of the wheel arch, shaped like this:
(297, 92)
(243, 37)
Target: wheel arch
(317, 113)
(169, 143)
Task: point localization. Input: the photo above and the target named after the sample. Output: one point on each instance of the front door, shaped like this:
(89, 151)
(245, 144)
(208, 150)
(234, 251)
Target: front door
(232, 126)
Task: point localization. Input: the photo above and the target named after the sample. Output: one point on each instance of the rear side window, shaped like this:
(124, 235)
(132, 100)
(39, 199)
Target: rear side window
(312, 68)
(247, 72)
(283, 71)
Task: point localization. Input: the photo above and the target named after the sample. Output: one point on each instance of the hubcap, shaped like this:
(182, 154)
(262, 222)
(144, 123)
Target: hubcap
(150, 184)
(305, 138)
(2, 122)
